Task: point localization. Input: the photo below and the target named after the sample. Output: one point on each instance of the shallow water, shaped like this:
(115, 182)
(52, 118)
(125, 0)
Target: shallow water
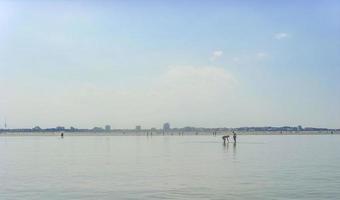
(170, 167)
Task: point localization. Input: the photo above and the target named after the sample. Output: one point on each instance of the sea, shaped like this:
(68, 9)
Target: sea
(87, 167)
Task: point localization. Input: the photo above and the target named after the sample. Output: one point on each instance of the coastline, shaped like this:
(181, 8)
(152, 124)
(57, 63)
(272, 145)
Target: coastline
(142, 133)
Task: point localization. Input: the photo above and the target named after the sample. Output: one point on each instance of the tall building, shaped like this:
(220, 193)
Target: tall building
(138, 128)
(107, 128)
(166, 127)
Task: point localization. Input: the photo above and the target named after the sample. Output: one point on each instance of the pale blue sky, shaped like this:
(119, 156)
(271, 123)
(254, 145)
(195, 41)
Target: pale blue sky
(208, 63)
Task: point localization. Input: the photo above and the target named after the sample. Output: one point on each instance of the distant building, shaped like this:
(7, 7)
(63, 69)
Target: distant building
(166, 127)
(60, 128)
(138, 128)
(97, 129)
(107, 128)
(299, 128)
(36, 128)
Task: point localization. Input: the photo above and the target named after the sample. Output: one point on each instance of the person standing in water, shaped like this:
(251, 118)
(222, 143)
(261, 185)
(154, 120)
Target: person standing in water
(234, 136)
(226, 137)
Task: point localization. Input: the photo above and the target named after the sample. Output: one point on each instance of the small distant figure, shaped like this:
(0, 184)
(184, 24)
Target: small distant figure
(62, 134)
(215, 133)
(225, 137)
(234, 136)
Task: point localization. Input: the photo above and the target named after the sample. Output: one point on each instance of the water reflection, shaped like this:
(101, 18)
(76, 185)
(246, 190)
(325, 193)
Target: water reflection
(234, 149)
(225, 146)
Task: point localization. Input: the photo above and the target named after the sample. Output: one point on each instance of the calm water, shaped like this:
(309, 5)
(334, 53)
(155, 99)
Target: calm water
(169, 167)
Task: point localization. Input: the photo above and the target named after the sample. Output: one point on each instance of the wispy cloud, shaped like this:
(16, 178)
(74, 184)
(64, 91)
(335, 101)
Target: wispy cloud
(261, 55)
(281, 35)
(216, 54)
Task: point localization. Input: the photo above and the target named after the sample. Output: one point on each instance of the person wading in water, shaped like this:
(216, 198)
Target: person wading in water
(225, 137)
(234, 136)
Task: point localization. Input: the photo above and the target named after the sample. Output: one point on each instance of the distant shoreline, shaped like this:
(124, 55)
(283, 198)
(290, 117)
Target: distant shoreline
(167, 133)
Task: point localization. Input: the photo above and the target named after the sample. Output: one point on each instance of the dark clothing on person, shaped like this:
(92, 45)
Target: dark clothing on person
(226, 137)
(234, 137)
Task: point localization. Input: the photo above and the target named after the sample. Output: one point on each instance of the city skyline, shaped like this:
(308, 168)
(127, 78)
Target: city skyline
(167, 127)
(200, 64)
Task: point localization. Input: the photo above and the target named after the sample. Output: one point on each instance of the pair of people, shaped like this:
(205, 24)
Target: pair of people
(226, 137)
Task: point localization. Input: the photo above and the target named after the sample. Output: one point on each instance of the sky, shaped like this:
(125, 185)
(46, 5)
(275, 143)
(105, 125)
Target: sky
(190, 63)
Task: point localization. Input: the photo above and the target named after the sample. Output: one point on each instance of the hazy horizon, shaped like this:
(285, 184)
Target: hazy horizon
(202, 64)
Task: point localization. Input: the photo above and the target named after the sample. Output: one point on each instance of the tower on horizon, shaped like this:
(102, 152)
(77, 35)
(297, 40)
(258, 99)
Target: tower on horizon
(138, 128)
(107, 128)
(166, 126)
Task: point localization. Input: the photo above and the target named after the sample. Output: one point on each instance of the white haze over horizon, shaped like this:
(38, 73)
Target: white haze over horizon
(182, 95)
